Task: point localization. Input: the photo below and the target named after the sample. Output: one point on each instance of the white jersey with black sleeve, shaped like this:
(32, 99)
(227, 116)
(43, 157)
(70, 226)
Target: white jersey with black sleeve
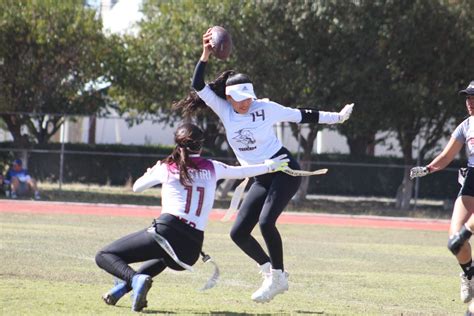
(251, 135)
(192, 203)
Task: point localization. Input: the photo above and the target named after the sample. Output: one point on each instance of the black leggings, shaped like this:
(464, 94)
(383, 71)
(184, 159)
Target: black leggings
(265, 201)
(142, 247)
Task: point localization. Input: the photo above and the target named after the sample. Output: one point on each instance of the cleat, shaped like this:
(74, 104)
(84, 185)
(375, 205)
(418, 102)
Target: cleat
(141, 284)
(115, 294)
(466, 288)
(275, 282)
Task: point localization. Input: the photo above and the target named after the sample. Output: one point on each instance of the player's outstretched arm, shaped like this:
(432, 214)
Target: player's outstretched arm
(224, 171)
(148, 180)
(332, 117)
(440, 162)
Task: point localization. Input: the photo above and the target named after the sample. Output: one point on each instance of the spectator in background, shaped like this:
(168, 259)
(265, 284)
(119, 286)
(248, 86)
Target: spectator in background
(20, 181)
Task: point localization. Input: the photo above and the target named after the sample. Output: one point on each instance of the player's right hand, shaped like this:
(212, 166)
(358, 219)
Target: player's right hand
(418, 172)
(277, 164)
(206, 45)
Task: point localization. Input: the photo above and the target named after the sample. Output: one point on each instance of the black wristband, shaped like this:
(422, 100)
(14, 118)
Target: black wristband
(309, 115)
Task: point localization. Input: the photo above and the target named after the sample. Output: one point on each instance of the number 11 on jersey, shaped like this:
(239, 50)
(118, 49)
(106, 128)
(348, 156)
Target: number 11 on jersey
(189, 198)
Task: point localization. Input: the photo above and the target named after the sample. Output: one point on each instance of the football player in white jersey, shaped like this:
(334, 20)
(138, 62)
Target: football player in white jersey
(462, 223)
(249, 126)
(188, 188)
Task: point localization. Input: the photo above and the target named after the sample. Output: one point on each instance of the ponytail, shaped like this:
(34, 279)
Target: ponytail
(180, 158)
(192, 104)
(189, 139)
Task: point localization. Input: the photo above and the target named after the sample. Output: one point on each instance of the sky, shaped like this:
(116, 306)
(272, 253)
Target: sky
(122, 17)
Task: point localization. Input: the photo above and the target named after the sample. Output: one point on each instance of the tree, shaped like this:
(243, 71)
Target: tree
(50, 52)
(295, 54)
(427, 66)
(397, 60)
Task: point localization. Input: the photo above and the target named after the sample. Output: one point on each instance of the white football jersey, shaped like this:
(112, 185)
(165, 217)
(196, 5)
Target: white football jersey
(192, 203)
(251, 135)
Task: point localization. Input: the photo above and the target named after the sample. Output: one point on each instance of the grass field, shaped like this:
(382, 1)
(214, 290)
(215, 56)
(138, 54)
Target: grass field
(47, 268)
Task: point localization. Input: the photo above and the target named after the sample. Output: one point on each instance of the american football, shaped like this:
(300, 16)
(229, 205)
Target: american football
(221, 42)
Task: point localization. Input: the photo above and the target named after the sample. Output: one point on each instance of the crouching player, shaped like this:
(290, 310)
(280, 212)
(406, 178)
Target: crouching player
(175, 239)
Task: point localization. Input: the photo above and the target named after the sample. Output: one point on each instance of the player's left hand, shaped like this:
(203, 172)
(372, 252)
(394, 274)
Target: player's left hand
(277, 164)
(346, 112)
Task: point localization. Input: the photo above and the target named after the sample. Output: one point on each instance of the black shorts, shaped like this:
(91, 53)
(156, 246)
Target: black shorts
(185, 240)
(468, 186)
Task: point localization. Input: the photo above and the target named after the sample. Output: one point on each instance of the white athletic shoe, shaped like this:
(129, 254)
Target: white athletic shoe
(273, 284)
(266, 272)
(466, 288)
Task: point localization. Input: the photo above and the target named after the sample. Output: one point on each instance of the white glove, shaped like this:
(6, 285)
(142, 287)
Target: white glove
(345, 113)
(277, 164)
(418, 172)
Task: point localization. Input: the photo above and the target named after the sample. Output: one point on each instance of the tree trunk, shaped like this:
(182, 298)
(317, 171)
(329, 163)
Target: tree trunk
(404, 191)
(14, 124)
(361, 145)
(306, 143)
(92, 129)
(300, 195)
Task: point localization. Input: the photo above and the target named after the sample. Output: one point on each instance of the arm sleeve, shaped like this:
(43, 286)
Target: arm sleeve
(151, 178)
(224, 171)
(329, 117)
(304, 115)
(212, 100)
(198, 77)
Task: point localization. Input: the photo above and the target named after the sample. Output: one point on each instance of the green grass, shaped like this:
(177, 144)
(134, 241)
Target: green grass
(47, 268)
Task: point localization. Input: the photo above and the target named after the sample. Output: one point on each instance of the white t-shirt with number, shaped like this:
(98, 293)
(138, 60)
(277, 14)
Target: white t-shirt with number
(192, 203)
(251, 135)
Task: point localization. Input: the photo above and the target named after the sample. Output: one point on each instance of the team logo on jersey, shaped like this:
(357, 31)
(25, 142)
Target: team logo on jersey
(245, 137)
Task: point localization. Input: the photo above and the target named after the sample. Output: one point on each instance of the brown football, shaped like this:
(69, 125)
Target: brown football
(221, 42)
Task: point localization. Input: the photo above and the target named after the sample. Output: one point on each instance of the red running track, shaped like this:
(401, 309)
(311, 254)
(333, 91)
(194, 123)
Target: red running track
(43, 207)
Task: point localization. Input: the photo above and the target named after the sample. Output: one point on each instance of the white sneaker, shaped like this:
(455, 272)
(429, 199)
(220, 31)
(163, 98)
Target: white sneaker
(266, 272)
(466, 288)
(273, 284)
